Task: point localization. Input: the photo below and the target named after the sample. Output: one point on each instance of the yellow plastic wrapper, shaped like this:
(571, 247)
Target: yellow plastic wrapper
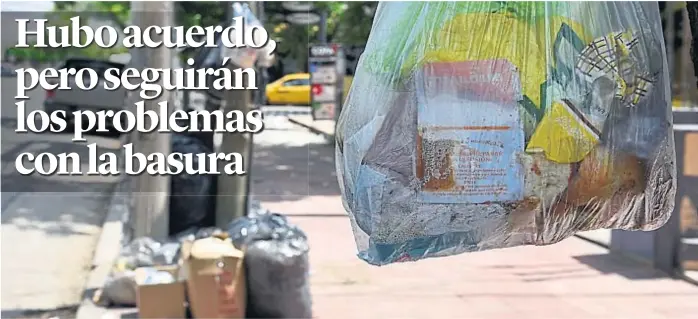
(482, 125)
(608, 58)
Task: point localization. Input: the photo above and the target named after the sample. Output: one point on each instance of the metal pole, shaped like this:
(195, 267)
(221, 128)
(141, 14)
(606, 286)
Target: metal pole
(261, 90)
(690, 75)
(322, 34)
(186, 94)
(232, 190)
(670, 35)
(151, 207)
(692, 10)
(228, 11)
(260, 93)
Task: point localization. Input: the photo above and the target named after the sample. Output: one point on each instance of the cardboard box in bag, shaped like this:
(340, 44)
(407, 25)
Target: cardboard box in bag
(215, 278)
(160, 300)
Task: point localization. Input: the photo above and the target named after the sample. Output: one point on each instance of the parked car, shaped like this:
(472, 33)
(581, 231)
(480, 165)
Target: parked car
(77, 99)
(290, 89)
(8, 71)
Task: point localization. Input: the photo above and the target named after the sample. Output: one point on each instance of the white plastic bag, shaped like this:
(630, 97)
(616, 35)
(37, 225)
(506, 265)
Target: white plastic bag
(479, 125)
(247, 56)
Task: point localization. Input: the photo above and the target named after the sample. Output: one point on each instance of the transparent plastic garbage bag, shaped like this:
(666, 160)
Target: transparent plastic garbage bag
(481, 125)
(276, 264)
(255, 52)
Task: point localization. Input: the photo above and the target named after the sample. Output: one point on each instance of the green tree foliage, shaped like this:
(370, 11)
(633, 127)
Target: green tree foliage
(353, 24)
(188, 13)
(348, 23)
(203, 13)
(116, 11)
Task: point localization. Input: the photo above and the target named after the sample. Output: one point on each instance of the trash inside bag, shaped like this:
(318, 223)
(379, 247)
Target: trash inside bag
(155, 277)
(141, 252)
(199, 233)
(190, 201)
(276, 265)
(146, 252)
(246, 56)
(122, 288)
(168, 254)
(119, 290)
(482, 125)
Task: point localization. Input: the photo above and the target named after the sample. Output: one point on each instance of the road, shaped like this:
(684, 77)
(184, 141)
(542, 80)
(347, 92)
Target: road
(50, 225)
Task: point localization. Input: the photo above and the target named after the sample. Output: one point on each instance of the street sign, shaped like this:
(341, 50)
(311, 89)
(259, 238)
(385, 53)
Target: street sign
(297, 5)
(324, 51)
(326, 78)
(324, 74)
(317, 89)
(324, 92)
(324, 111)
(303, 18)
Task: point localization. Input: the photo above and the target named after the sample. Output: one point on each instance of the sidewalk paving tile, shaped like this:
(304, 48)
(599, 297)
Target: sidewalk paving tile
(571, 279)
(325, 127)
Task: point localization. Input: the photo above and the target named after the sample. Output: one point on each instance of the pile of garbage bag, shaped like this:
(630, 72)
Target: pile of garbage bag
(145, 252)
(481, 125)
(276, 267)
(276, 264)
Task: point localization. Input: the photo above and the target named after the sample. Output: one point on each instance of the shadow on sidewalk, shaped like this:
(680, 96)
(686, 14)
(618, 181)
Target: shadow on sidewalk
(57, 205)
(616, 264)
(291, 173)
(63, 312)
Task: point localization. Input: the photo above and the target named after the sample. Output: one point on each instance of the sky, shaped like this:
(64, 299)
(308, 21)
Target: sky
(26, 5)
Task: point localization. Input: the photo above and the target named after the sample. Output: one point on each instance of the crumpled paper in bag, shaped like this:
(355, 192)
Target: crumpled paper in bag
(596, 148)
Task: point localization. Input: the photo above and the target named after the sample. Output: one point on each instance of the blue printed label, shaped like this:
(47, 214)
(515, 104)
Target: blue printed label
(469, 133)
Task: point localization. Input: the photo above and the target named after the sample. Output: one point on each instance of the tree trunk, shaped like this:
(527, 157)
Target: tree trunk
(692, 8)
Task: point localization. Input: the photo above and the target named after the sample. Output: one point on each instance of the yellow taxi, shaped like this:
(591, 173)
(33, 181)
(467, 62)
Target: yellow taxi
(290, 89)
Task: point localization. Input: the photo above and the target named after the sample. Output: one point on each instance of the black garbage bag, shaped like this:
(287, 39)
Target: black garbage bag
(276, 265)
(191, 200)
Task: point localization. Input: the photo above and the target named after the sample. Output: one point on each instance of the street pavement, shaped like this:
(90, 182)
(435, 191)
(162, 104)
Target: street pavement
(294, 174)
(50, 225)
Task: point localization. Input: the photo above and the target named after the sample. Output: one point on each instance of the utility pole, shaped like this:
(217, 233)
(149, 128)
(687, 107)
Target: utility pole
(232, 189)
(692, 10)
(231, 200)
(322, 34)
(670, 36)
(687, 78)
(151, 206)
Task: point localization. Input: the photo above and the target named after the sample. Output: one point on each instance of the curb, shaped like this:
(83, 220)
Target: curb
(108, 245)
(593, 241)
(329, 137)
(268, 112)
(635, 258)
(681, 276)
(690, 279)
